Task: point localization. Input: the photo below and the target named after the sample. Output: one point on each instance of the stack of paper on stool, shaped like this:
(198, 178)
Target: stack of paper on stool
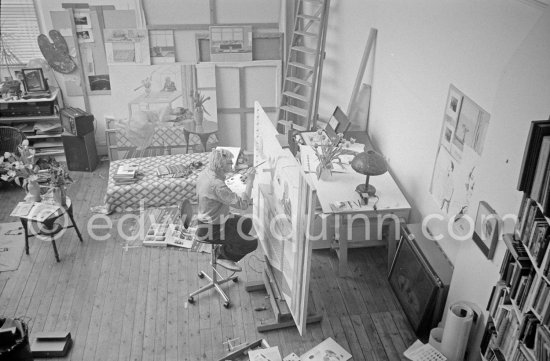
(51, 344)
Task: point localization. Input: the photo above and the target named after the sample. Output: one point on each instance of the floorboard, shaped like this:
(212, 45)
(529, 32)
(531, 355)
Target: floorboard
(130, 303)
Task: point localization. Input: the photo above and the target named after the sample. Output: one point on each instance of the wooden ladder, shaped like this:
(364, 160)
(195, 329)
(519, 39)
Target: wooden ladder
(304, 67)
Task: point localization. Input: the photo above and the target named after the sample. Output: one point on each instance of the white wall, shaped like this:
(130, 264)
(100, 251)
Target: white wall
(495, 51)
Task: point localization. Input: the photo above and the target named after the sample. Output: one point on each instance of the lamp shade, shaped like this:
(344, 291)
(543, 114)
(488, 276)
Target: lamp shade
(369, 163)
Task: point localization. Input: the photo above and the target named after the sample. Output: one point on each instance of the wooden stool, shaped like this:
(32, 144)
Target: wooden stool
(50, 230)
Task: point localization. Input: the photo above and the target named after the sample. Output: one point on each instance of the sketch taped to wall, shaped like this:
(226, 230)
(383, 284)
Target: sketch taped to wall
(460, 147)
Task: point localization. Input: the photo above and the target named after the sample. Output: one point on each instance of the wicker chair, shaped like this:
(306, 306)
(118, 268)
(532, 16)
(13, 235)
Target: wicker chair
(10, 138)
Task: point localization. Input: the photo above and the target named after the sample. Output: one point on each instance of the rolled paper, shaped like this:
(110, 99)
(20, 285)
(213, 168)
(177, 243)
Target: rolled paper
(457, 331)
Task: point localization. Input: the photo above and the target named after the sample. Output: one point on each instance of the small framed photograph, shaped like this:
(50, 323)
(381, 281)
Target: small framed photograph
(33, 79)
(85, 36)
(454, 102)
(82, 20)
(99, 82)
(486, 229)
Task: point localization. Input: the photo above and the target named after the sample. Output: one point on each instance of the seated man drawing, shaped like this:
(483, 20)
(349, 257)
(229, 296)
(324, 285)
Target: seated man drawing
(215, 223)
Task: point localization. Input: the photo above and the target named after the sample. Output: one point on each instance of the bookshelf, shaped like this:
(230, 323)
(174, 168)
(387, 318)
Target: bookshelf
(39, 120)
(518, 328)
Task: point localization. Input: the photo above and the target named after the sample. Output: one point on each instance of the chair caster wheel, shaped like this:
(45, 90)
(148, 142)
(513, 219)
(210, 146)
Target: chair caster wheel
(191, 300)
(201, 275)
(236, 279)
(226, 304)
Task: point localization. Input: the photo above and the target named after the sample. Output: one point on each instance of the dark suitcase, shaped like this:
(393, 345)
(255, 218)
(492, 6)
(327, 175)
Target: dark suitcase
(76, 121)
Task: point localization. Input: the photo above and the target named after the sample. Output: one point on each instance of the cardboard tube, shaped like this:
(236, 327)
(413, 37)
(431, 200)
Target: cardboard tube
(457, 331)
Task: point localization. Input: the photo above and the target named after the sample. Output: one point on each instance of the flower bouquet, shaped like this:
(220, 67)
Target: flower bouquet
(198, 107)
(59, 180)
(19, 167)
(327, 151)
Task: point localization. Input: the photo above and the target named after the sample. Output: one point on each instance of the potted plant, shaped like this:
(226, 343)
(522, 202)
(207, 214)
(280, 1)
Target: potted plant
(198, 106)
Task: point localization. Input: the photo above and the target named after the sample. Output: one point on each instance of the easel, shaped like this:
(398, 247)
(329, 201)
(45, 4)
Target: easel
(283, 317)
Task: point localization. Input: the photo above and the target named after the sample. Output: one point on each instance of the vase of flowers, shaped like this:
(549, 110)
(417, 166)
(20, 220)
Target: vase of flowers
(327, 151)
(198, 107)
(20, 168)
(59, 179)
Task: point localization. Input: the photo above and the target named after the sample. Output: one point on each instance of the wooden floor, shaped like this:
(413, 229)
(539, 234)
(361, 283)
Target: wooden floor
(131, 303)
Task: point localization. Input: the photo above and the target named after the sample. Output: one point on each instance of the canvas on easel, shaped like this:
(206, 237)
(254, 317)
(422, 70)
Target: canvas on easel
(284, 211)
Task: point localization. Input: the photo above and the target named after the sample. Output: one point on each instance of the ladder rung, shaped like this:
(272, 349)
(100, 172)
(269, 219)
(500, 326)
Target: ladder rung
(305, 33)
(300, 65)
(309, 17)
(304, 49)
(296, 96)
(295, 110)
(313, 1)
(294, 125)
(299, 81)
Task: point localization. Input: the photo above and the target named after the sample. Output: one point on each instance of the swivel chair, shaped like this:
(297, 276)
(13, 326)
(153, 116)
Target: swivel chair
(214, 281)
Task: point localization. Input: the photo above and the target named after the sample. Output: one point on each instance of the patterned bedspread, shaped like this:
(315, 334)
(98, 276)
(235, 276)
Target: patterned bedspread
(150, 189)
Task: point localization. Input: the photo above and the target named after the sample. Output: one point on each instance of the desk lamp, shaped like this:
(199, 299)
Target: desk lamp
(369, 163)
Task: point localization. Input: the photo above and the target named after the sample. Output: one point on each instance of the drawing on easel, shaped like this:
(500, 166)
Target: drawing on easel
(280, 213)
(463, 134)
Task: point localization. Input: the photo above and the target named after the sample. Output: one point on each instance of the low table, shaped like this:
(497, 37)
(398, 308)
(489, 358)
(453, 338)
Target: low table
(204, 131)
(151, 190)
(48, 225)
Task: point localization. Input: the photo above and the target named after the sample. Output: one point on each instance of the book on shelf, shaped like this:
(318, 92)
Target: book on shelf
(538, 241)
(527, 291)
(541, 169)
(541, 347)
(516, 248)
(528, 330)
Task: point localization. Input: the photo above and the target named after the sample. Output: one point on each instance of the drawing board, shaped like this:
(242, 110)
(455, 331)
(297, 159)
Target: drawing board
(284, 216)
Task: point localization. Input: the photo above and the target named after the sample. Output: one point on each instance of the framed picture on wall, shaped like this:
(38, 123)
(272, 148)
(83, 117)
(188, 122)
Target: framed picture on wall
(454, 102)
(33, 79)
(486, 229)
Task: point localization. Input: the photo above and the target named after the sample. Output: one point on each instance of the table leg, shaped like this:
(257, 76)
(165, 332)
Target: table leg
(24, 224)
(342, 249)
(392, 243)
(186, 136)
(204, 140)
(70, 213)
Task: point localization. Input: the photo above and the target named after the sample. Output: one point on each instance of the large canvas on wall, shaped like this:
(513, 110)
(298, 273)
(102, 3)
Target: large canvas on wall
(149, 87)
(459, 150)
(284, 239)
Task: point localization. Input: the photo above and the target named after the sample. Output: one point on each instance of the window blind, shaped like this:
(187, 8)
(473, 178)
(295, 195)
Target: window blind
(19, 28)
